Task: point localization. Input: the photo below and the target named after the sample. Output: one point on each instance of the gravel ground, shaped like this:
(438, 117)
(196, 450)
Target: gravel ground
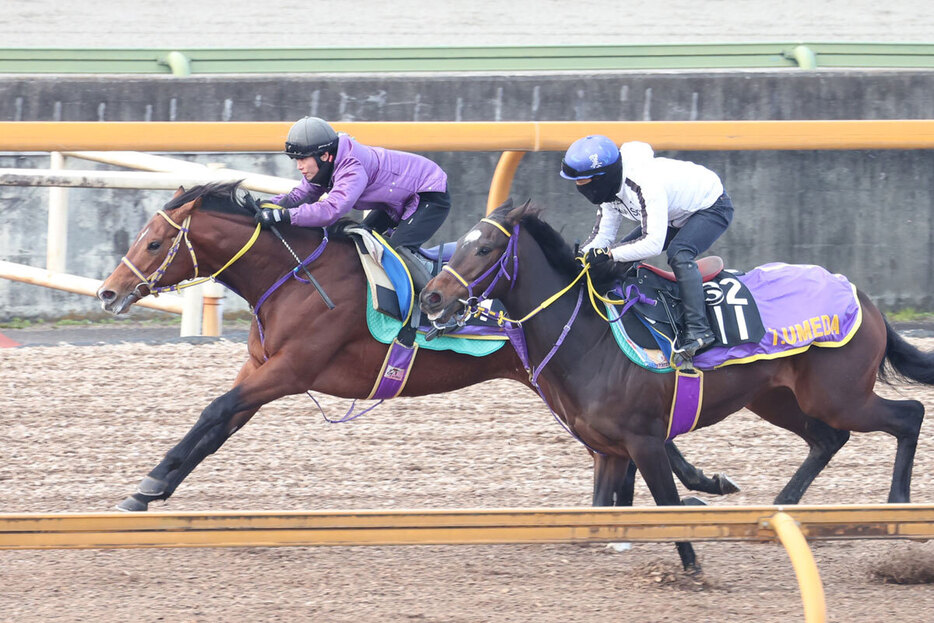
(84, 420)
(82, 424)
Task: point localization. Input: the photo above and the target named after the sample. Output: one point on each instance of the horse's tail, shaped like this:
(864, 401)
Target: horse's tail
(904, 360)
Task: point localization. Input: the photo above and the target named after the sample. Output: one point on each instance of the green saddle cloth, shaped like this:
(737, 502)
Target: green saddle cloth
(385, 328)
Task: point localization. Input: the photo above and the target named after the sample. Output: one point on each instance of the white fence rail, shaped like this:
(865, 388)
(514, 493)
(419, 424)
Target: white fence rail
(201, 307)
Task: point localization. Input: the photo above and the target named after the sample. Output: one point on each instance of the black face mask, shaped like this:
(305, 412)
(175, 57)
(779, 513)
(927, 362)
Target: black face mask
(603, 188)
(323, 176)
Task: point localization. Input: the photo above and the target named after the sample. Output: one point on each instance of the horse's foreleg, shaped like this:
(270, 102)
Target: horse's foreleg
(213, 428)
(613, 480)
(780, 407)
(652, 461)
(224, 416)
(694, 478)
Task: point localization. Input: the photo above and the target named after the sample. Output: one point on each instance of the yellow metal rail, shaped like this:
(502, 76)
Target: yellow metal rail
(401, 527)
(472, 136)
(512, 138)
(791, 526)
(812, 590)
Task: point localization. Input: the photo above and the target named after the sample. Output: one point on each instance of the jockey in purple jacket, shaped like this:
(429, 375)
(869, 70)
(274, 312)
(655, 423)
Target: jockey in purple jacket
(403, 191)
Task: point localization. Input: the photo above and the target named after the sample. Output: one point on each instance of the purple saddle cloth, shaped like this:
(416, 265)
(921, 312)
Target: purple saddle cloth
(801, 305)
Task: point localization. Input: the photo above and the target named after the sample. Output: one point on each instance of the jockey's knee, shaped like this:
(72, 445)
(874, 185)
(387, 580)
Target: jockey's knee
(680, 255)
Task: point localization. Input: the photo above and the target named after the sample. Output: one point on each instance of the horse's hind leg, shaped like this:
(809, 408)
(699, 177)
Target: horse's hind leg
(694, 478)
(781, 408)
(908, 415)
(899, 418)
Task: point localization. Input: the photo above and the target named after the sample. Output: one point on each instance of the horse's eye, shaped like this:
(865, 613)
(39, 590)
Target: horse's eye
(154, 245)
(484, 251)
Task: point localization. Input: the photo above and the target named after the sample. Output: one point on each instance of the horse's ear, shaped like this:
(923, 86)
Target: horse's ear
(179, 192)
(196, 203)
(516, 214)
(506, 205)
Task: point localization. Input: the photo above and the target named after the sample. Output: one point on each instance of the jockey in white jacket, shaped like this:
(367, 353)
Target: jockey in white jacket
(678, 205)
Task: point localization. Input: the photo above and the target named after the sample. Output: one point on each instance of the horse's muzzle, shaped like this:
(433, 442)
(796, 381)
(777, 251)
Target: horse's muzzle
(116, 305)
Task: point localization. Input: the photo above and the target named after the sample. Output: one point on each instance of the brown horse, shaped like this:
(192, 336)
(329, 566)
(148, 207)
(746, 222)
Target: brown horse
(304, 345)
(621, 410)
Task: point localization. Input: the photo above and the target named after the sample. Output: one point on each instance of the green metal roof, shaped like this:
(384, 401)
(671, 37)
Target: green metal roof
(453, 59)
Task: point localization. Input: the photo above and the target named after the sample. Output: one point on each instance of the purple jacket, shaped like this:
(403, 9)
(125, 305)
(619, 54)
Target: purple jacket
(365, 178)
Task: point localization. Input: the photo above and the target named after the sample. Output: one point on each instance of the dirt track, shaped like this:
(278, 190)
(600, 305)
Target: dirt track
(81, 424)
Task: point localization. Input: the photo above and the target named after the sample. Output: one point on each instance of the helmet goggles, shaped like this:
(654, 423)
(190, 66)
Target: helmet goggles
(570, 173)
(297, 152)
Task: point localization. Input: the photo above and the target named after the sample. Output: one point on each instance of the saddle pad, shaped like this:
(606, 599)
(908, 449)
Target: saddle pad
(389, 281)
(800, 305)
(384, 329)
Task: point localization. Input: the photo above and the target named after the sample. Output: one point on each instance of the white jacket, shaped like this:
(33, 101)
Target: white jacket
(655, 192)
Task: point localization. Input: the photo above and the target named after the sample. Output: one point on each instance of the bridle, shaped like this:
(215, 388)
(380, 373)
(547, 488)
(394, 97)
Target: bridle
(501, 266)
(153, 279)
(510, 255)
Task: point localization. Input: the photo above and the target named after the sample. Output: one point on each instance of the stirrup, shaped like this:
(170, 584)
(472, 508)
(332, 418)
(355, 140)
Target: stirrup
(691, 347)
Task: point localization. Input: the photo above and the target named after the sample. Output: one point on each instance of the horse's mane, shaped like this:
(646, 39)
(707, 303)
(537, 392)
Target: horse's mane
(558, 252)
(216, 196)
(556, 249)
(226, 197)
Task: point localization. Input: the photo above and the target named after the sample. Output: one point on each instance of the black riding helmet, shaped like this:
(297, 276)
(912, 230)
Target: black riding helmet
(312, 137)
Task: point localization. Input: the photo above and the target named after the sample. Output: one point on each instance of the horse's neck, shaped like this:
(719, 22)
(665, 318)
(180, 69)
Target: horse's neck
(262, 263)
(536, 281)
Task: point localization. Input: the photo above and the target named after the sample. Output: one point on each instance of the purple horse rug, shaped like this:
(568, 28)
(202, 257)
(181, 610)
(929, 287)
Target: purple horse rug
(801, 306)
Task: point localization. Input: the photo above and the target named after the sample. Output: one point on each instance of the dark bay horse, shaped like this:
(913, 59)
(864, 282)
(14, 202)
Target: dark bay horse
(304, 346)
(620, 409)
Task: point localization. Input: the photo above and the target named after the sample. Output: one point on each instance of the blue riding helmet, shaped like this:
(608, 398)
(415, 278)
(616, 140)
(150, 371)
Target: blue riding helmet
(589, 156)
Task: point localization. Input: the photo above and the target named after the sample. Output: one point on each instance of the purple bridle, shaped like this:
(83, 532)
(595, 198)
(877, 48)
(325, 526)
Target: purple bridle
(511, 252)
(513, 328)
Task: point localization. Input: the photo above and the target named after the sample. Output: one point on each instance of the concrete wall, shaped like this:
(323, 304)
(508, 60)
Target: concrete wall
(867, 214)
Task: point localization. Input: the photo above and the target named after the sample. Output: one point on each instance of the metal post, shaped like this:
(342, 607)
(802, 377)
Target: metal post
(809, 582)
(502, 179)
(191, 310)
(57, 240)
(212, 316)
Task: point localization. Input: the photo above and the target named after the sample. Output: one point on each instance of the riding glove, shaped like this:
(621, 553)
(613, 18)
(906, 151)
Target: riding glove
(268, 217)
(597, 256)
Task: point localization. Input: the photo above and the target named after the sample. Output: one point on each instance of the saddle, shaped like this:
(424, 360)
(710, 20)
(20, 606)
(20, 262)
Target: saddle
(391, 291)
(390, 284)
(731, 309)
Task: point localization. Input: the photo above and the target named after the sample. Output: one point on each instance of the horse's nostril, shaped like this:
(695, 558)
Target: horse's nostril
(106, 295)
(433, 299)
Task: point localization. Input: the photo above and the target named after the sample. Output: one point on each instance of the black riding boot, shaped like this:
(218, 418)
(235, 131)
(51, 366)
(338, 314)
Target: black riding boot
(419, 272)
(697, 334)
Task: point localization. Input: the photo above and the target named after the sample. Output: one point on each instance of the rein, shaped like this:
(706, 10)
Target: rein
(513, 327)
(294, 273)
(183, 229)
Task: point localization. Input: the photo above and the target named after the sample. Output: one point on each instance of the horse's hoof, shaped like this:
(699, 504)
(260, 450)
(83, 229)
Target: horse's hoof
(694, 570)
(151, 486)
(727, 486)
(132, 505)
(692, 500)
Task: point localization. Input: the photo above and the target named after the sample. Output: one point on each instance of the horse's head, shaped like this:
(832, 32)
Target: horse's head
(483, 266)
(162, 255)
